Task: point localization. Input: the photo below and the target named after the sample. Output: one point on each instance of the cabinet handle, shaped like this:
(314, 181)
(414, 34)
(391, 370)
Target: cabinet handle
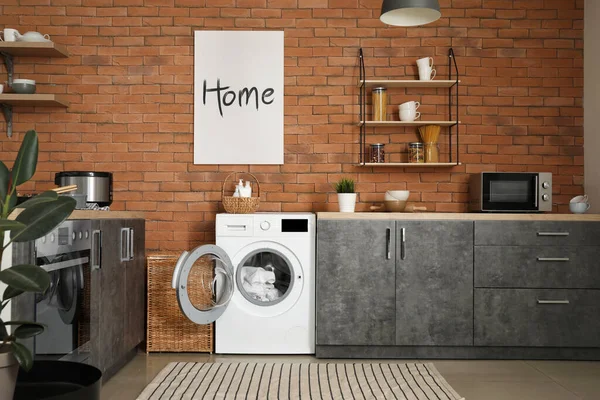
(553, 301)
(563, 259)
(96, 256)
(131, 237)
(402, 243)
(388, 238)
(537, 192)
(124, 244)
(553, 233)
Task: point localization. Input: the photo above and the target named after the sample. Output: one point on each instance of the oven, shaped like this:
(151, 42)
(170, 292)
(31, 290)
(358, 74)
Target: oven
(65, 306)
(511, 192)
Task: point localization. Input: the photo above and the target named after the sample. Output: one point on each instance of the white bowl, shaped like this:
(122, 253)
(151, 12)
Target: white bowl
(401, 195)
(579, 199)
(26, 81)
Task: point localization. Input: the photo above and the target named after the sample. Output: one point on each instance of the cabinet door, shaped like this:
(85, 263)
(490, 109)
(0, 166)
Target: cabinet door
(434, 283)
(135, 285)
(355, 282)
(108, 298)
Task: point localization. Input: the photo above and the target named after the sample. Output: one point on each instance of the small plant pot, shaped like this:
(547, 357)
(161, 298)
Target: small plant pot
(347, 202)
(9, 369)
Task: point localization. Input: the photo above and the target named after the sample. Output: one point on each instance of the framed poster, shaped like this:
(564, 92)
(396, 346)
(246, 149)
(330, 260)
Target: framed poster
(238, 97)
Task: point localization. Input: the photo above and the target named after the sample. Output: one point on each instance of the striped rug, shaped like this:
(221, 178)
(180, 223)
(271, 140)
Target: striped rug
(191, 381)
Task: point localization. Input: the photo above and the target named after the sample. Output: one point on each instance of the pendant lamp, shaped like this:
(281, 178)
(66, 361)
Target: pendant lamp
(409, 12)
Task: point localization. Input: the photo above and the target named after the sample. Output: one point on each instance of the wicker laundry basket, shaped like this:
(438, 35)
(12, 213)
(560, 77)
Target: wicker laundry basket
(168, 329)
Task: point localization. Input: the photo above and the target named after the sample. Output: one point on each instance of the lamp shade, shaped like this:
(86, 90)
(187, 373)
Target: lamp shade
(409, 12)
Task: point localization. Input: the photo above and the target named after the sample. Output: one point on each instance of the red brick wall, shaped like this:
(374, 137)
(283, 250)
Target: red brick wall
(130, 80)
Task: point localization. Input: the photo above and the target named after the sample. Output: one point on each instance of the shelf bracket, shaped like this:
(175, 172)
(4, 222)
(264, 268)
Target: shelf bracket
(8, 61)
(8, 114)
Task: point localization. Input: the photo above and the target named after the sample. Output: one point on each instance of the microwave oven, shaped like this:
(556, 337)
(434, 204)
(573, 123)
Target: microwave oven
(510, 192)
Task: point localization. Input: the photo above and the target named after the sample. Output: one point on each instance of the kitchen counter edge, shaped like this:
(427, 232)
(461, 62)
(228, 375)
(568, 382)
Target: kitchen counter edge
(93, 214)
(457, 216)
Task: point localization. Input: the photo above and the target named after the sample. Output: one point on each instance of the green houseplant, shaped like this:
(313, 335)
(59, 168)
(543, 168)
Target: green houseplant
(39, 215)
(346, 196)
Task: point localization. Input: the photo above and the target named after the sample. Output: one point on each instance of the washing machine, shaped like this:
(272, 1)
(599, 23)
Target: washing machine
(257, 283)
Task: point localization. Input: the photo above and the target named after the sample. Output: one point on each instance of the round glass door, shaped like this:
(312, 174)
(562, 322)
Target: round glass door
(203, 279)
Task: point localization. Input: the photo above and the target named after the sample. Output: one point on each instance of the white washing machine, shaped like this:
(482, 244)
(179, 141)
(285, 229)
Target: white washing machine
(261, 274)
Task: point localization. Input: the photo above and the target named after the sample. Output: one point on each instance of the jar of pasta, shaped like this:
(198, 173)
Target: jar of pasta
(379, 104)
(415, 153)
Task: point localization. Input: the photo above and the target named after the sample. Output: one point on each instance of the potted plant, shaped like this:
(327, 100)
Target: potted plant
(346, 196)
(39, 215)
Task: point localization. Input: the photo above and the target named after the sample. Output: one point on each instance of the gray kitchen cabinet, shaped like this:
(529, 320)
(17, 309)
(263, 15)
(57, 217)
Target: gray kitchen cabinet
(537, 267)
(355, 282)
(434, 283)
(135, 286)
(537, 317)
(108, 298)
(118, 292)
(536, 233)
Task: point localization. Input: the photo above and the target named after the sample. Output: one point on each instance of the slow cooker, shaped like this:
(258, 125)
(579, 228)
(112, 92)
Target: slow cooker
(97, 186)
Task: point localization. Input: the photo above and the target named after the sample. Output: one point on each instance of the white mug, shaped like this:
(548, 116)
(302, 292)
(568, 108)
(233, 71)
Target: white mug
(579, 199)
(1, 88)
(426, 74)
(579, 208)
(410, 105)
(425, 62)
(409, 115)
(10, 35)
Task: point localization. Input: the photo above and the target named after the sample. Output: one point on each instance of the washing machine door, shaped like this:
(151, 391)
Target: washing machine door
(204, 281)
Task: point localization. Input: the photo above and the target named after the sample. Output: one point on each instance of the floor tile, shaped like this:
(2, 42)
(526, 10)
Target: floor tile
(484, 370)
(484, 390)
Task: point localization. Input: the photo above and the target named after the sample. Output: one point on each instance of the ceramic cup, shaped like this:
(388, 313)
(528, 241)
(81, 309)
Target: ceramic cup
(426, 74)
(425, 62)
(579, 208)
(409, 115)
(579, 199)
(10, 35)
(410, 105)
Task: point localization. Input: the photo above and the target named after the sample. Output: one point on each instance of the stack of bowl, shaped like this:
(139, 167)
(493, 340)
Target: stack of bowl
(395, 200)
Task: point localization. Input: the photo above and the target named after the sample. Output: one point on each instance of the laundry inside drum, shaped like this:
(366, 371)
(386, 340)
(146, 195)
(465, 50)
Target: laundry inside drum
(210, 283)
(265, 278)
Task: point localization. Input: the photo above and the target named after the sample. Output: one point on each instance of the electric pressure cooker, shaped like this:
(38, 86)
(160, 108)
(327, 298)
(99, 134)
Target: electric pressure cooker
(97, 186)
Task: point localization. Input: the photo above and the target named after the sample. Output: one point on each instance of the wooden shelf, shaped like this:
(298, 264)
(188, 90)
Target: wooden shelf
(33, 100)
(415, 165)
(34, 49)
(407, 123)
(408, 83)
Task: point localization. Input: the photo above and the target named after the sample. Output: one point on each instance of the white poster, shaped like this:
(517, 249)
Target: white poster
(238, 97)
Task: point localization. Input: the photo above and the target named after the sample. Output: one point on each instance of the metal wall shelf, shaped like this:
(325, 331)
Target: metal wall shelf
(452, 84)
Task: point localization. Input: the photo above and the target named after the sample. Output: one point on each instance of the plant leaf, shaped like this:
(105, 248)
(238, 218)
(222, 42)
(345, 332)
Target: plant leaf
(28, 278)
(10, 225)
(28, 330)
(45, 197)
(3, 331)
(22, 355)
(10, 292)
(26, 161)
(43, 218)
(4, 180)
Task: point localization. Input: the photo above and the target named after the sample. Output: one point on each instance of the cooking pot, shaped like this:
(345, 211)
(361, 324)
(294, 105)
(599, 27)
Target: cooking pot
(97, 186)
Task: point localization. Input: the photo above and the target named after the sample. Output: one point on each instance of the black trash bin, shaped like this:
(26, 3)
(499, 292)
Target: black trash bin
(59, 380)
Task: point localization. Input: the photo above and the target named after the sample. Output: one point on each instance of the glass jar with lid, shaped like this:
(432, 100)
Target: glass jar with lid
(416, 153)
(378, 153)
(379, 104)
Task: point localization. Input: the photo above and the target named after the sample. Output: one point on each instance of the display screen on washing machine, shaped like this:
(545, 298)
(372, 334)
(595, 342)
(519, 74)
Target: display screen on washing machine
(294, 225)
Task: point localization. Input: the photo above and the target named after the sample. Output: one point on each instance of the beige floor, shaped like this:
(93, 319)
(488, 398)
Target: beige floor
(475, 380)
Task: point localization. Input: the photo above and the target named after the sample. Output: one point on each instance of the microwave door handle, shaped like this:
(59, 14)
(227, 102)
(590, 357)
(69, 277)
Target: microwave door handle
(537, 192)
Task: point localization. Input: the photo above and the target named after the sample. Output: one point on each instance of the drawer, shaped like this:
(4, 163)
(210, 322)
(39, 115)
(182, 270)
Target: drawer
(537, 267)
(537, 233)
(537, 317)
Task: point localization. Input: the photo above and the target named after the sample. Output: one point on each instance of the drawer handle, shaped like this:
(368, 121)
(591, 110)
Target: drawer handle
(562, 259)
(553, 301)
(553, 233)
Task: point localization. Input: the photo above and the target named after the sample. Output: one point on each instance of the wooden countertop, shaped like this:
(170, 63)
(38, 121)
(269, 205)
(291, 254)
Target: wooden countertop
(93, 214)
(459, 216)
